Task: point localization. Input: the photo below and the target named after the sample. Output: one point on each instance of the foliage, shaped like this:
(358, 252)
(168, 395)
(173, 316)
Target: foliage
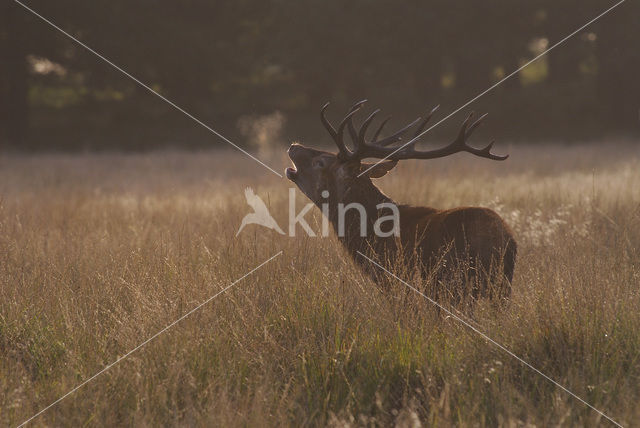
(225, 60)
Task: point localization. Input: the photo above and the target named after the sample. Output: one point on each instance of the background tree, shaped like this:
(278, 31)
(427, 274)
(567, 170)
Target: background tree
(229, 60)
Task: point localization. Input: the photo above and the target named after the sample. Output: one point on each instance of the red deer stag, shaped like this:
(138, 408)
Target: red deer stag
(438, 240)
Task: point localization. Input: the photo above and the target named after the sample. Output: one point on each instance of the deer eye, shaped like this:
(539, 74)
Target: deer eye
(318, 163)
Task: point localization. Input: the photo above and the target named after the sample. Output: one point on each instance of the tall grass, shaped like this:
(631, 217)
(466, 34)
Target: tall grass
(99, 252)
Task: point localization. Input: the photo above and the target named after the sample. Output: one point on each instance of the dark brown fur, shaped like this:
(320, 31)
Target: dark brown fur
(473, 240)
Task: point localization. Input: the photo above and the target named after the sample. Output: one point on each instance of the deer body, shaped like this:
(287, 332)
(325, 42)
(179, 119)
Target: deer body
(474, 240)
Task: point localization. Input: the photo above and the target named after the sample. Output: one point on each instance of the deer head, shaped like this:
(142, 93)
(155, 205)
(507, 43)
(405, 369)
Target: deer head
(344, 177)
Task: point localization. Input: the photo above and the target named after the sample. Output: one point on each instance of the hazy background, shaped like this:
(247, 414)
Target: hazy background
(258, 71)
(102, 247)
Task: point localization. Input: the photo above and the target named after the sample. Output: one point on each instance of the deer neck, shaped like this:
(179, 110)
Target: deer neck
(369, 198)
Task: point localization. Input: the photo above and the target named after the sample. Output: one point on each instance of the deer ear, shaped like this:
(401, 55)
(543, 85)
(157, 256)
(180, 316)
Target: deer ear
(378, 170)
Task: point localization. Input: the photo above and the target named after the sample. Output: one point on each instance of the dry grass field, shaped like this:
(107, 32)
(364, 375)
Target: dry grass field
(100, 252)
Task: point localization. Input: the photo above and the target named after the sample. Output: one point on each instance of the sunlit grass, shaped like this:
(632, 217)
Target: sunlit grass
(98, 252)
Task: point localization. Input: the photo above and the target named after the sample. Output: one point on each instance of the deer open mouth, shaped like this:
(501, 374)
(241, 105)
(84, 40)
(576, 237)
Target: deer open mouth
(291, 173)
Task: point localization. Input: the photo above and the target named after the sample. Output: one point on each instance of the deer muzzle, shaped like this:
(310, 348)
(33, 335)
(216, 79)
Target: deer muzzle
(292, 172)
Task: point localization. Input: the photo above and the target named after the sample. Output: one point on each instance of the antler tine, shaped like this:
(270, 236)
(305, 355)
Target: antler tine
(357, 105)
(340, 133)
(360, 142)
(422, 125)
(379, 130)
(463, 134)
(458, 145)
(352, 130)
(325, 121)
(484, 152)
(397, 136)
(487, 152)
(425, 121)
(338, 136)
(475, 124)
(348, 117)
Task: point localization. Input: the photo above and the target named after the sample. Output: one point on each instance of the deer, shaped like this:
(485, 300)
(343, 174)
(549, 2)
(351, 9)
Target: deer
(473, 241)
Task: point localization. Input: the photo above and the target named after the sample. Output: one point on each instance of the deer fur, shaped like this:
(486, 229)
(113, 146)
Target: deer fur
(472, 239)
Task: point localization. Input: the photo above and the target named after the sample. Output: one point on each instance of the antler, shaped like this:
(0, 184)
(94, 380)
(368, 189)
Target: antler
(338, 136)
(379, 148)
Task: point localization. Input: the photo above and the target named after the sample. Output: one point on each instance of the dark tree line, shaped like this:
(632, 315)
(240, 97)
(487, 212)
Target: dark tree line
(225, 60)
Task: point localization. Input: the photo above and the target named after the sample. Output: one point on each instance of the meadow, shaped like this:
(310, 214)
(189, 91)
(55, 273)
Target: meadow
(98, 252)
